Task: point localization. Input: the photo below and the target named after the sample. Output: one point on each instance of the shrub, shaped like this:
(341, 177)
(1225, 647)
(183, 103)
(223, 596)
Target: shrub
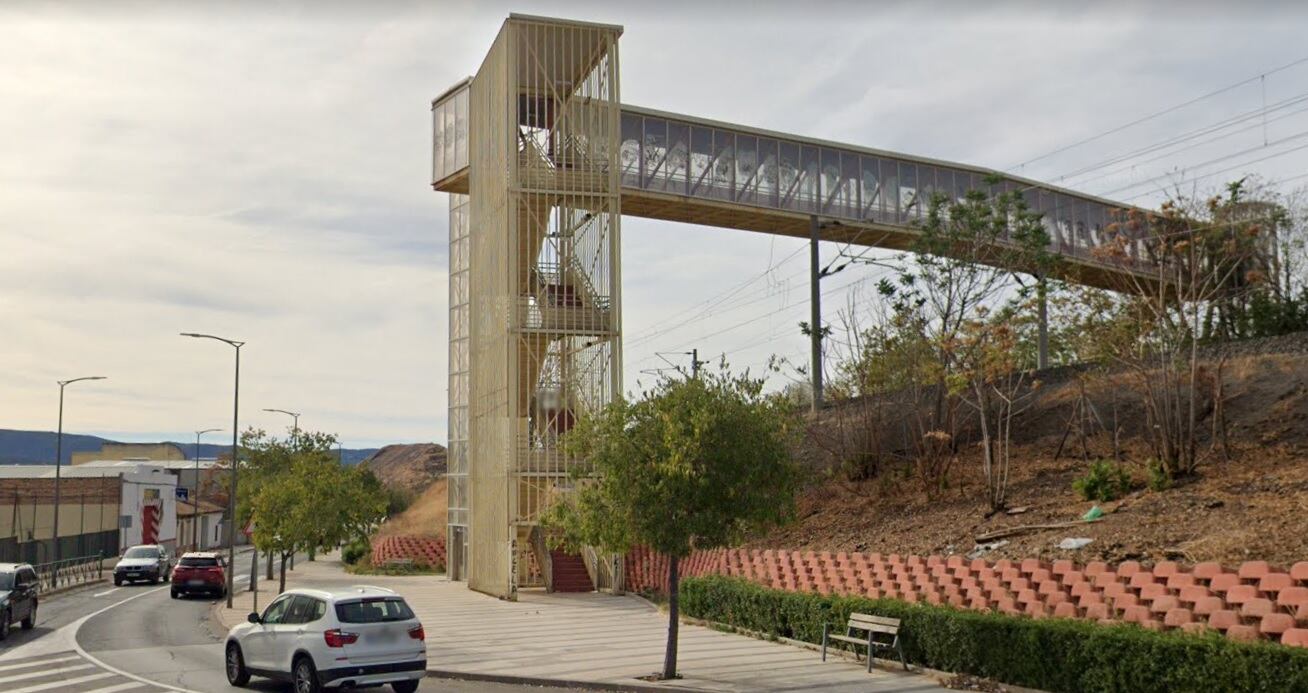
(356, 550)
(1159, 479)
(1105, 481)
(1055, 655)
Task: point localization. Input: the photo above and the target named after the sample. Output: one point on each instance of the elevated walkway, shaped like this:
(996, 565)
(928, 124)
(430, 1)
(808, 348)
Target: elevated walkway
(693, 170)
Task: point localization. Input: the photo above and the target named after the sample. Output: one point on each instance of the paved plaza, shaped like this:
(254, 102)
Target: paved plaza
(590, 640)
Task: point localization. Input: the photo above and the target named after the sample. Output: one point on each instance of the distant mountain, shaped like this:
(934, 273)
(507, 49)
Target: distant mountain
(409, 468)
(38, 447)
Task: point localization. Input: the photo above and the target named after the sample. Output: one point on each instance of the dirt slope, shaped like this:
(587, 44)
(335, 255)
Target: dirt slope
(424, 517)
(1254, 506)
(409, 468)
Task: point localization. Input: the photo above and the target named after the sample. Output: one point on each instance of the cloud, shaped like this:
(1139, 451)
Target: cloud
(260, 170)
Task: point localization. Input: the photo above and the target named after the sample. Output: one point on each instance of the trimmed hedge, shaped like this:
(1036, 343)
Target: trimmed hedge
(1059, 655)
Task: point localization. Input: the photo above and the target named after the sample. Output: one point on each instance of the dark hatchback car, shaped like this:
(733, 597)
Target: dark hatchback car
(18, 596)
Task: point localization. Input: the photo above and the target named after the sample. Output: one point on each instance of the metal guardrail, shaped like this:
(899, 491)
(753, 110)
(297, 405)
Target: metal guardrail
(70, 571)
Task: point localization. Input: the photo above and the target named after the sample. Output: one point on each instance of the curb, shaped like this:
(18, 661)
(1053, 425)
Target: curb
(551, 683)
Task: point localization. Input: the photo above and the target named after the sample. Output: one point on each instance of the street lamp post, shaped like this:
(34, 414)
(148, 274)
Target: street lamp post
(295, 420)
(195, 519)
(59, 454)
(231, 500)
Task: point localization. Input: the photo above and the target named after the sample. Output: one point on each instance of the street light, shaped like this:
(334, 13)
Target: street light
(231, 501)
(195, 519)
(295, 416)
(59, 454)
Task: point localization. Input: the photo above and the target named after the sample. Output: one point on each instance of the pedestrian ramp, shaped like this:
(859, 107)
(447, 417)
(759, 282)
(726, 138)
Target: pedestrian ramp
(65, 672)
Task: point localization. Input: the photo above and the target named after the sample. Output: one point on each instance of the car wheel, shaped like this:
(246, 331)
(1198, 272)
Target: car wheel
(305, 675)
(173, 593)
(4, 625)
(405, 686)
(237, 674)
(30, 622)
(118, 582)
(154, 580)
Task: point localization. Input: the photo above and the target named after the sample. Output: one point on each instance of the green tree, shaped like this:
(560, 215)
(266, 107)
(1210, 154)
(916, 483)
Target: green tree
(693, 464)
(301, 499)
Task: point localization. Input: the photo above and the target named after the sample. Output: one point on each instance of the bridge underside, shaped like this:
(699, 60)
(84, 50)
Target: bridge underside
(542, 160)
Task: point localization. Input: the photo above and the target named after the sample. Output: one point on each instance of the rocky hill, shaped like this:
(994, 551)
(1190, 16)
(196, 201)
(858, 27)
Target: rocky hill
(408, 468)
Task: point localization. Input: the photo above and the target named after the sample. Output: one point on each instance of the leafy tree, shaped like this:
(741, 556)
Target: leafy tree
(693, 464)
(301, 499)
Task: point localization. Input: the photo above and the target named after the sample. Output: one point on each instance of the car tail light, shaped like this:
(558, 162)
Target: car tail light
(339, 638)
(417, 633)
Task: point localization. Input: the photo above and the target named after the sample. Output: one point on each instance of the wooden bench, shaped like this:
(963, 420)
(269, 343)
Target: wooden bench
(873, 626)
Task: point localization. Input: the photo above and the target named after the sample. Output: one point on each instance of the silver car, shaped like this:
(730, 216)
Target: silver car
(353, 637)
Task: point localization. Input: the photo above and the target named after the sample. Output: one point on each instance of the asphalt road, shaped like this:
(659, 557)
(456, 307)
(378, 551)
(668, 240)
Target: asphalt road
(136, 639)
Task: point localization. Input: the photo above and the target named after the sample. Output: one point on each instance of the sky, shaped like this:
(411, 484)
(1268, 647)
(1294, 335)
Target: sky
(261, 171)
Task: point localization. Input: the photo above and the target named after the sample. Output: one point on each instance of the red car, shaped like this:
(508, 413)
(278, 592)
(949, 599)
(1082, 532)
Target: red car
(200, 572)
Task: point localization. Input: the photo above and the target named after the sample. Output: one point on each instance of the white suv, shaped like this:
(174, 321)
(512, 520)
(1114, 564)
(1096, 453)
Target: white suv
(350, 638)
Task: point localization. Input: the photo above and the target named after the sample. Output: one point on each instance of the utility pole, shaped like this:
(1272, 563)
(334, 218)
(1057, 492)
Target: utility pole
(815, 301)
(694, 363)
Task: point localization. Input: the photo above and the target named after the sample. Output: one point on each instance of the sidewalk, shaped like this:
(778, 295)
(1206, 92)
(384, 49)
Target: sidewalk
(586, 640)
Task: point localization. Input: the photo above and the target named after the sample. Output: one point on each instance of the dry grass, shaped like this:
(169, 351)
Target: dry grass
(425, 517)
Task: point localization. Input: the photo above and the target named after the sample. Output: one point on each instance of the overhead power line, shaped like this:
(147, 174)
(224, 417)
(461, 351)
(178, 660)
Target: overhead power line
(1159, 114)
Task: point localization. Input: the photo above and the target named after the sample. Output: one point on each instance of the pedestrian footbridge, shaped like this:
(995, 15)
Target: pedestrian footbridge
(541, 160)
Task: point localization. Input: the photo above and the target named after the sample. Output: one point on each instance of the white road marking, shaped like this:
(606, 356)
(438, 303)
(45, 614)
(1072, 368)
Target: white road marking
(44, 672)
(241, 578)
(38, 663)
(76, 625)
(109, 591)
(65, 682)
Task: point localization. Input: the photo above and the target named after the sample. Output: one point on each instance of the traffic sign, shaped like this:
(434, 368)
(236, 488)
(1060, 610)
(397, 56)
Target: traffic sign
(183, 493)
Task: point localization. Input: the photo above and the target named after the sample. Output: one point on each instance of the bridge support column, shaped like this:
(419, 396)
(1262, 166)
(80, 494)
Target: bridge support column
(815, 322)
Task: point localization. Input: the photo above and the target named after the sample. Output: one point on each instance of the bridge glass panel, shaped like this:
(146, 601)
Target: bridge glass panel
(724, 165)
(769, 169)
(809, 164)
(629, 155)
(849, 186)
(461, 130)
(871, 201)
(788, 175)
(701, 162)
(828, 181)
(909, 204)
(747, 169)
(654, 155)
(678, 158)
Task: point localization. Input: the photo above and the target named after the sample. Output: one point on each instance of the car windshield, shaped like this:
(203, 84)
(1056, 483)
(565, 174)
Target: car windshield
(6, 581)
(199, 562)
(141, 552)
(378, 610)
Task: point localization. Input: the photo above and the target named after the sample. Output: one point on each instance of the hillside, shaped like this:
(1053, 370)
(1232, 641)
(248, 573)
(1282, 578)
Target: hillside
(38, 447)
(425, 517)
(1254, 506)
(408, 468)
